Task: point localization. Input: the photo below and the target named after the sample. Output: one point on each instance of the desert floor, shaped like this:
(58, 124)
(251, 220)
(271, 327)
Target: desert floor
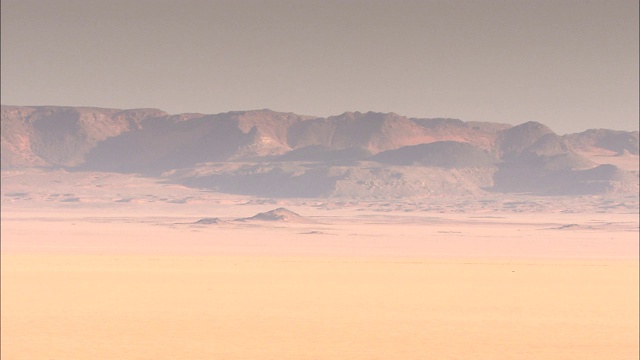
(79, 284)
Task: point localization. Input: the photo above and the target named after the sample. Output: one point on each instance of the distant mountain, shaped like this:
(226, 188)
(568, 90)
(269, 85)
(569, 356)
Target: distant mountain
(275, 154)
(149, 139)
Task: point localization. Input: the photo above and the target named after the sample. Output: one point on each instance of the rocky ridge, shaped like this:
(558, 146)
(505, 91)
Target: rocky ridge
(274, 154)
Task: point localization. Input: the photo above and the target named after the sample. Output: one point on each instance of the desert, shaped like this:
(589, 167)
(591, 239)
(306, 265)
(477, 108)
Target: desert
(175, 272)
(319, 180)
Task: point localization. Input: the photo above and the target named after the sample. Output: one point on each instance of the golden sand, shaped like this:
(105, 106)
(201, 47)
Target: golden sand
(276, 292)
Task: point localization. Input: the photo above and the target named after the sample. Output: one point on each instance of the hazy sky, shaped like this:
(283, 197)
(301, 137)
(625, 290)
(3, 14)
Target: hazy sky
(572, 65)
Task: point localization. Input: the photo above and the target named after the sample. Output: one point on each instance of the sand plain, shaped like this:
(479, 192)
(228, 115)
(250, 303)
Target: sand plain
(350, 285)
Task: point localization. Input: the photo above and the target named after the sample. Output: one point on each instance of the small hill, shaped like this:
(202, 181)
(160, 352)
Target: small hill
(320, 153)
(208, 221)
(480, 134)
(278, 215)
(618, 141)
(447, 154)
(551, 152)
(513, 141)
(603, 179)
(538, 161)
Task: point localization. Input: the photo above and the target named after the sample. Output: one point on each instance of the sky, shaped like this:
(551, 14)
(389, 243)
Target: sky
(572, 65)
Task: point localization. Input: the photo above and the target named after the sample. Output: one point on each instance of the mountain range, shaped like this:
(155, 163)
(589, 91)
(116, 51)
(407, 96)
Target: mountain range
(275, 154)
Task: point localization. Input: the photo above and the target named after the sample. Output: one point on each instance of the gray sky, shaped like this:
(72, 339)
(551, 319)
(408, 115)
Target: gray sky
(571, 65)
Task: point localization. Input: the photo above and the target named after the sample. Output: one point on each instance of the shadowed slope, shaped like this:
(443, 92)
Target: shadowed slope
(374, 132)
(62, 136)
(447, 154)
(617, 141)
(513, 141)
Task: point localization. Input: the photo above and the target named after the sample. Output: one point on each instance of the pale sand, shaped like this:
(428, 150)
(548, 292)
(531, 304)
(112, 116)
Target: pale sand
(457, 288)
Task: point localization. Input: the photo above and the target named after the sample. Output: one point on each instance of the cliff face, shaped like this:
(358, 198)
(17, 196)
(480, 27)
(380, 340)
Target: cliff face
(283, 154)
(62, 136)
